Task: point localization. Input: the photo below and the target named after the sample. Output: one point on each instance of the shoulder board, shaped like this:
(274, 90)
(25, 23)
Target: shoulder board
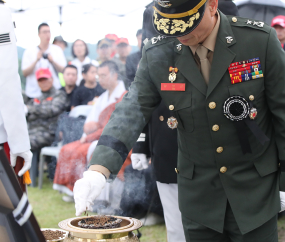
(158, 40)
(250, 23)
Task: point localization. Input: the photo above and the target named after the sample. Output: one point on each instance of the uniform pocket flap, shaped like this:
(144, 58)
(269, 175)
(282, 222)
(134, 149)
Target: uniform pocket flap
(246, 89)
(178, 100)
(185, 166)
(266, 165)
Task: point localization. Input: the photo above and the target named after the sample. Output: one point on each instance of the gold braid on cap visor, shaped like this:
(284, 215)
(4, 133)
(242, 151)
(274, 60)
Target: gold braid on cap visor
(176, 25)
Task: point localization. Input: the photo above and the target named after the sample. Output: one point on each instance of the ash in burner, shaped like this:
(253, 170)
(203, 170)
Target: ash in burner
(100, 222)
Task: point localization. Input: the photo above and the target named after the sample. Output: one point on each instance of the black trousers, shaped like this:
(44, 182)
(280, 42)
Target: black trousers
(196, 233)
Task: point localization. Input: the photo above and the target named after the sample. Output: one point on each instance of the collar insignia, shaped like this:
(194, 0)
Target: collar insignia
(229, 39)
(179, 47)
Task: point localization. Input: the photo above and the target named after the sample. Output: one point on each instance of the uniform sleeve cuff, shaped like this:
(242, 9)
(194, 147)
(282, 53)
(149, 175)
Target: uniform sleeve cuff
(100, 169)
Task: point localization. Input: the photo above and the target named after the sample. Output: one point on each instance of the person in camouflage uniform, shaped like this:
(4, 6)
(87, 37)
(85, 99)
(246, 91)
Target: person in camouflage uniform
(43, 112)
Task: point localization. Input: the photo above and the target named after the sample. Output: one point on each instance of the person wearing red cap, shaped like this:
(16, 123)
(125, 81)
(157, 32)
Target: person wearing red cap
(123, 50)
(42, 114)
(278, 23)
(112, 38)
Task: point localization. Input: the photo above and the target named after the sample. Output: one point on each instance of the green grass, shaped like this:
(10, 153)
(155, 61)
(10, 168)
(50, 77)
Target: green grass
(49, 210)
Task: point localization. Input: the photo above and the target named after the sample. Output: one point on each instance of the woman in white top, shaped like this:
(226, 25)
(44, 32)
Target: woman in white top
(80, 53)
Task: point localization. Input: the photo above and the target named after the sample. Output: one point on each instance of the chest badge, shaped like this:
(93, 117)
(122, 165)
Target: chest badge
(172, 75)
(252, 113)
(172, 123)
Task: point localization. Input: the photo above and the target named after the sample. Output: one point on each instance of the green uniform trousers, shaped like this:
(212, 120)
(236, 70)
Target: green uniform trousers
(195, 232)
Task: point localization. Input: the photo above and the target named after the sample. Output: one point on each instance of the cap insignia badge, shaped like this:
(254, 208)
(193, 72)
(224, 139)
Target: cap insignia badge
(164, 4)
(172, 123)
(229, 39)
(172, 75)
(171, 27)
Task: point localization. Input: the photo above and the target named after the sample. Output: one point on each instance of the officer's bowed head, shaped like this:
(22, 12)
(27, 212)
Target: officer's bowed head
(191, 21)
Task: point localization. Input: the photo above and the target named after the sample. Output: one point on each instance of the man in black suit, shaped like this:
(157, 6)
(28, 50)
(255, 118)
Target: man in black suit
(133, 60)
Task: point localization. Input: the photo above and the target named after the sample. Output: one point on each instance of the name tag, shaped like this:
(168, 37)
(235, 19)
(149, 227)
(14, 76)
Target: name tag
(180, 87)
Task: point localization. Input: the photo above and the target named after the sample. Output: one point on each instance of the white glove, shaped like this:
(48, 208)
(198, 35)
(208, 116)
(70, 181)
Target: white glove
(27, 156)
(87, 189)
(139, 161)
(282, 201)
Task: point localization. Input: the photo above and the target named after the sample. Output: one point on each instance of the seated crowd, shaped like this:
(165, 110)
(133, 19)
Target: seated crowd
(56, 90)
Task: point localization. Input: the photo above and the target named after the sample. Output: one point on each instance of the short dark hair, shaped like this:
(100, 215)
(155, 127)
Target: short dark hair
(139, 32)
(113, 67)
(86, 48)
(86, 68)
(70, 66)
(42, 25)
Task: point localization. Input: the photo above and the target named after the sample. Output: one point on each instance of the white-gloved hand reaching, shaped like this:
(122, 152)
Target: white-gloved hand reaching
(27, 156)
(87, 189)
(139, 161)
(282, 201)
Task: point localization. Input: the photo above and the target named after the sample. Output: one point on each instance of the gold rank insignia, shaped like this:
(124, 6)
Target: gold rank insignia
(172, 75)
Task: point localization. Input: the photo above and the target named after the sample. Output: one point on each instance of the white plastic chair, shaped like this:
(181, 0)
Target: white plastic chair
(82, 110)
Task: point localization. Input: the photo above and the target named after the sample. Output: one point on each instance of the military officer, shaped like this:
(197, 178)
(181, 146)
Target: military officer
(223, 77)
(13, 125)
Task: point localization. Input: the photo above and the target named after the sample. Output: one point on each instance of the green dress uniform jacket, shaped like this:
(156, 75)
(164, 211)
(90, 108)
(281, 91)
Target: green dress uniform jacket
(212, 168)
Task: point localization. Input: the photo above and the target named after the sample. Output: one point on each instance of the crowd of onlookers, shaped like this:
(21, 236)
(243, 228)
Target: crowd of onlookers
(58, 93)
(54, 86)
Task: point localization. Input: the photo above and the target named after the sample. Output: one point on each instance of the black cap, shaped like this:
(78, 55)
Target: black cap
(60, 39)
(176, 18)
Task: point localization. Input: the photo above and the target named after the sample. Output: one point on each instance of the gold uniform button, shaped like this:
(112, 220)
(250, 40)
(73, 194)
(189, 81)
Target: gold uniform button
(171, 107)
(176, 170)
(223, 169)
(234, 19)
(212, 105)
(215, 127)
(251, 97)
(161, 118)
(220, 150)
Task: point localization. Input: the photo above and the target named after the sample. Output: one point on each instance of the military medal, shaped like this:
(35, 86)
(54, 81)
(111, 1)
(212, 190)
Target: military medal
(172, 123)
(172, 75)
(252, 113)
(243, 71)
(172, 78)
